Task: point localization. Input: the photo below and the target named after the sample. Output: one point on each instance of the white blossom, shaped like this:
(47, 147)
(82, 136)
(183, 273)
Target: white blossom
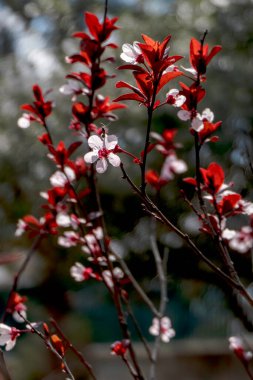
(8, 336)
(174, 98)
(21, 227)
(163, 328)
(60, 179)
(69, 239)
(171, 166)
(107, 276)
(130, 53)
(24, 121)
(102, 150)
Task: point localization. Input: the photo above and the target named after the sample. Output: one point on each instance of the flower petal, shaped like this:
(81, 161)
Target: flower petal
(184, 115)
(95, 142)
(101, 165)
(114, 159)
(10, 344)
(111, 141)
(91, 157)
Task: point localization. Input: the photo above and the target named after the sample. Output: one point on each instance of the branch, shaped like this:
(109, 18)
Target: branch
(160, 216)
(136, 285)
(161, 271)
(3, 368)
(17, 276)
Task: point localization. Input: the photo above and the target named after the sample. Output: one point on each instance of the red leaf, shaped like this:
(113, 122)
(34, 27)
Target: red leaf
(132, 67)
(167, 78)
(93, 24)
(130, 96)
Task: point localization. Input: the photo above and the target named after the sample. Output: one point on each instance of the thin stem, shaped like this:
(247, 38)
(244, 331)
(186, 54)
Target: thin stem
(73, 349)
(156, 212)
(51, 348)
(123, 324)
(163, 295)
(136, 285)
(145, 151)
(197, 164)
(149, 123)
(137, 327)
(17, 276)
(3, 368)
(105, 12)
(246, 366)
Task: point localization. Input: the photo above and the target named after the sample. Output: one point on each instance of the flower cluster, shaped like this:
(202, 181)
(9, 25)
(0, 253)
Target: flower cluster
(71, 208)
(163, 328)
(226, 204)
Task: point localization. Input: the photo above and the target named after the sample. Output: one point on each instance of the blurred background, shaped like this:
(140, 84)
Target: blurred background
(35, 38)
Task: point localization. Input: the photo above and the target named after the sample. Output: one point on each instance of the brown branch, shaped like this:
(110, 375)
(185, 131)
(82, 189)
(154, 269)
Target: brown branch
(160, 216)
(3, 368)
(17, 276)
(161, 272)
(73, 349)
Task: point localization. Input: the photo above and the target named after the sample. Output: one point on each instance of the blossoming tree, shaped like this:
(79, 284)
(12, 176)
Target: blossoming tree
(72, 207)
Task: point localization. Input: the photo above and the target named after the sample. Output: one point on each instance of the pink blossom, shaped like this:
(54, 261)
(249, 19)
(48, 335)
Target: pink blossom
(69, 239)
(197, 119)
(24, 121)
(102, 150)
(65, 220)
(236, 345)
(73, 88)
(171, 166)
(240, 241)
(173, 98)
(131, 53)
(21, 227)
(118, 274)
(163, 328)
(8, 336)
(120, 348)
(60, 179)
(81, 273)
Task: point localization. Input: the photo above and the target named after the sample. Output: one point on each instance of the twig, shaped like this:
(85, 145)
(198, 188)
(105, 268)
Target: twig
(21, 270)
(50, 346)
(160, 216)
(73, 349)
(136, 285)
(137, 327)
(161, 271)
(3, 368)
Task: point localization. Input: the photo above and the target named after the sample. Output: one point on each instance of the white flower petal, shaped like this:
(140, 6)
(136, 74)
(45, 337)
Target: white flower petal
(10, 344)
(111, 141)
(24, 121)
(190, 70)
(184, 115)
(197, 124)
(76, 271)
(208, 115)
(179, 101)
(18, 316)
(101, 165)
(228, 234)
(58, 179)
(127, 58)
(63, 220)
(95, 142)
(91, 157)
(172, 92)
(70, 173)
(114, 159)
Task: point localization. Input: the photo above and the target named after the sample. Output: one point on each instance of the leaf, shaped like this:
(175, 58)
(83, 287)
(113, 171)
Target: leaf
(130, 96)
(167, 78)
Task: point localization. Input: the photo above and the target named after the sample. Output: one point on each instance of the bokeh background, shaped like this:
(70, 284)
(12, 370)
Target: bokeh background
(35, 36)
